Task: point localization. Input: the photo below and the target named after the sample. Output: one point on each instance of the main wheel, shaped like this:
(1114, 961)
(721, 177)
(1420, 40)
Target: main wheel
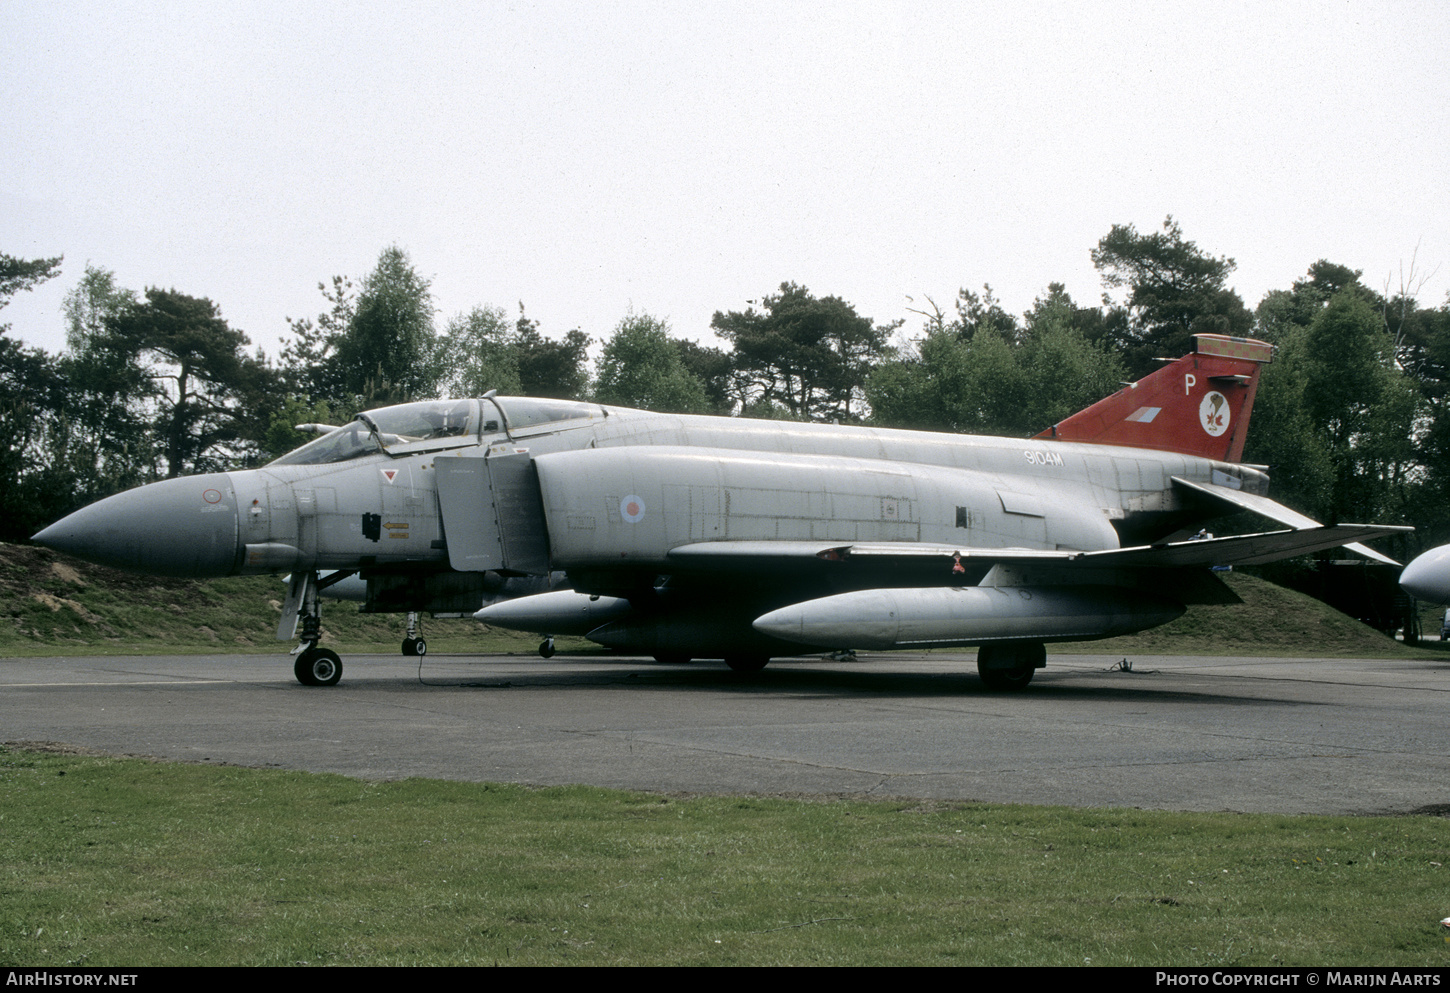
(1006, 680)
(415, 646)
(747, 662)
(318, 667)
(1010, 667)
(546, 648)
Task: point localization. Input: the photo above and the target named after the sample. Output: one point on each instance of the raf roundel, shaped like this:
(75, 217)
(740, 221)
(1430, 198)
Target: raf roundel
(1213, 413)
(631, 508)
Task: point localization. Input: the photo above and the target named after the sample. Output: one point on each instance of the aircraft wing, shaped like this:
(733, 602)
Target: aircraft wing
(1264, 507)
(753, 553)
(1244, 549)
(1044, 596)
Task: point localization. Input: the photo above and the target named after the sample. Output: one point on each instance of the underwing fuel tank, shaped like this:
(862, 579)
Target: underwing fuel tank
(561, 612)
(973, 615)
(616, 623)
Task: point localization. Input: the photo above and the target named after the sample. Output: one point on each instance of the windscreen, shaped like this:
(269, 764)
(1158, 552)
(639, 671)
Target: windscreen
(350, 441)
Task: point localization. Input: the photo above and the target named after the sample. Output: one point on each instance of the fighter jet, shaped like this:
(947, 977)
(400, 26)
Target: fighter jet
(687, 537)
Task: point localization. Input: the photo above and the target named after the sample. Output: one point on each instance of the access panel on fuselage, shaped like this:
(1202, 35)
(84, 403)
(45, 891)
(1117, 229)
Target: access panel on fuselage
(493, 518)
(515, 487)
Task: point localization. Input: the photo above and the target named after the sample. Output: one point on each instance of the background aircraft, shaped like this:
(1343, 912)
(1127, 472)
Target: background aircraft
(706, 537)
(1427, 577)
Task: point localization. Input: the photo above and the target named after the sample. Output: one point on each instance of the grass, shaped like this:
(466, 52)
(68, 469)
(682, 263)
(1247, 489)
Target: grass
(1272, 621)
(109, 861)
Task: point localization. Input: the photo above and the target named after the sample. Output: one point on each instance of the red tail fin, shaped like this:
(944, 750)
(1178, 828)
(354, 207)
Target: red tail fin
(1199, 405)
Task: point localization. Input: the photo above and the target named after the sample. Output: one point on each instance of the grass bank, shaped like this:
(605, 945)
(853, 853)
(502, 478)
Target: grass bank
(52, 604)
(1272, 621)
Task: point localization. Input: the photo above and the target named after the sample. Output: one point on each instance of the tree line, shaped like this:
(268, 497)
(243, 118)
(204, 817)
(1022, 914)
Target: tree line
(1353, 415)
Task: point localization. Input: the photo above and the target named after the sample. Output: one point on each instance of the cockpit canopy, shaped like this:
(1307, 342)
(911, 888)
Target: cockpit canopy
(527, 412)
(431, 425)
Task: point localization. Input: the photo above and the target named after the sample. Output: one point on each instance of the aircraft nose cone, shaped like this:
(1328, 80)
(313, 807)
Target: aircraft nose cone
(1428, 576)
(178, 527)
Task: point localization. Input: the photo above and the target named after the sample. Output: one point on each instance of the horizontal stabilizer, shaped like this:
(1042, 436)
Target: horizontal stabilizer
(1242, 549)
(1274, 511)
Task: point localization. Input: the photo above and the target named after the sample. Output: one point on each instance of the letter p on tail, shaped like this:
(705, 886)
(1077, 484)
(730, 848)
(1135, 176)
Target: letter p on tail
(1198, 405)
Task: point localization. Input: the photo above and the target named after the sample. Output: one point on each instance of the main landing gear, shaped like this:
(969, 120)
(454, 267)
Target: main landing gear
(413, 643)
(1009, 666)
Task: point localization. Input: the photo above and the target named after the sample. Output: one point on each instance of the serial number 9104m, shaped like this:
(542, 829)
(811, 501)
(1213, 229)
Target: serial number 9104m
(1042, 458)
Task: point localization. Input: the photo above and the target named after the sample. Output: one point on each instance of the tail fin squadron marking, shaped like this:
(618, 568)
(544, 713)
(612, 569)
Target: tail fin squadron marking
(1198, 405)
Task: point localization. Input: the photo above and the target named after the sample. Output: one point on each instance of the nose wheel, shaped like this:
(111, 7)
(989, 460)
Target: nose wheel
(318, 667)
(314, 666)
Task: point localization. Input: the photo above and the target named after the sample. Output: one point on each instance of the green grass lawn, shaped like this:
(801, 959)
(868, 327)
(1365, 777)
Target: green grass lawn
(124, 862)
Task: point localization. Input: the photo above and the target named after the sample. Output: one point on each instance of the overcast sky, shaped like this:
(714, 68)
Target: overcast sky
(683, 158)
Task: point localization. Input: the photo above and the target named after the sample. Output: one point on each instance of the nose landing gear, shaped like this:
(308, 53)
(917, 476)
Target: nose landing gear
(318, 667)
(314, 666)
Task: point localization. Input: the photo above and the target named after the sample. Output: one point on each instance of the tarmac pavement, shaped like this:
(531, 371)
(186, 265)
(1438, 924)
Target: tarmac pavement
(1185, 733)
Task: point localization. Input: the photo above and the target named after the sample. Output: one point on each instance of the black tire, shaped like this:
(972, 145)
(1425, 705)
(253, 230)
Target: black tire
(420, 647)
(747, 663)
(1009, 668)
(302, 668)
(408, 644)
(546, 648)
(1006, 680)
(318, 667)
